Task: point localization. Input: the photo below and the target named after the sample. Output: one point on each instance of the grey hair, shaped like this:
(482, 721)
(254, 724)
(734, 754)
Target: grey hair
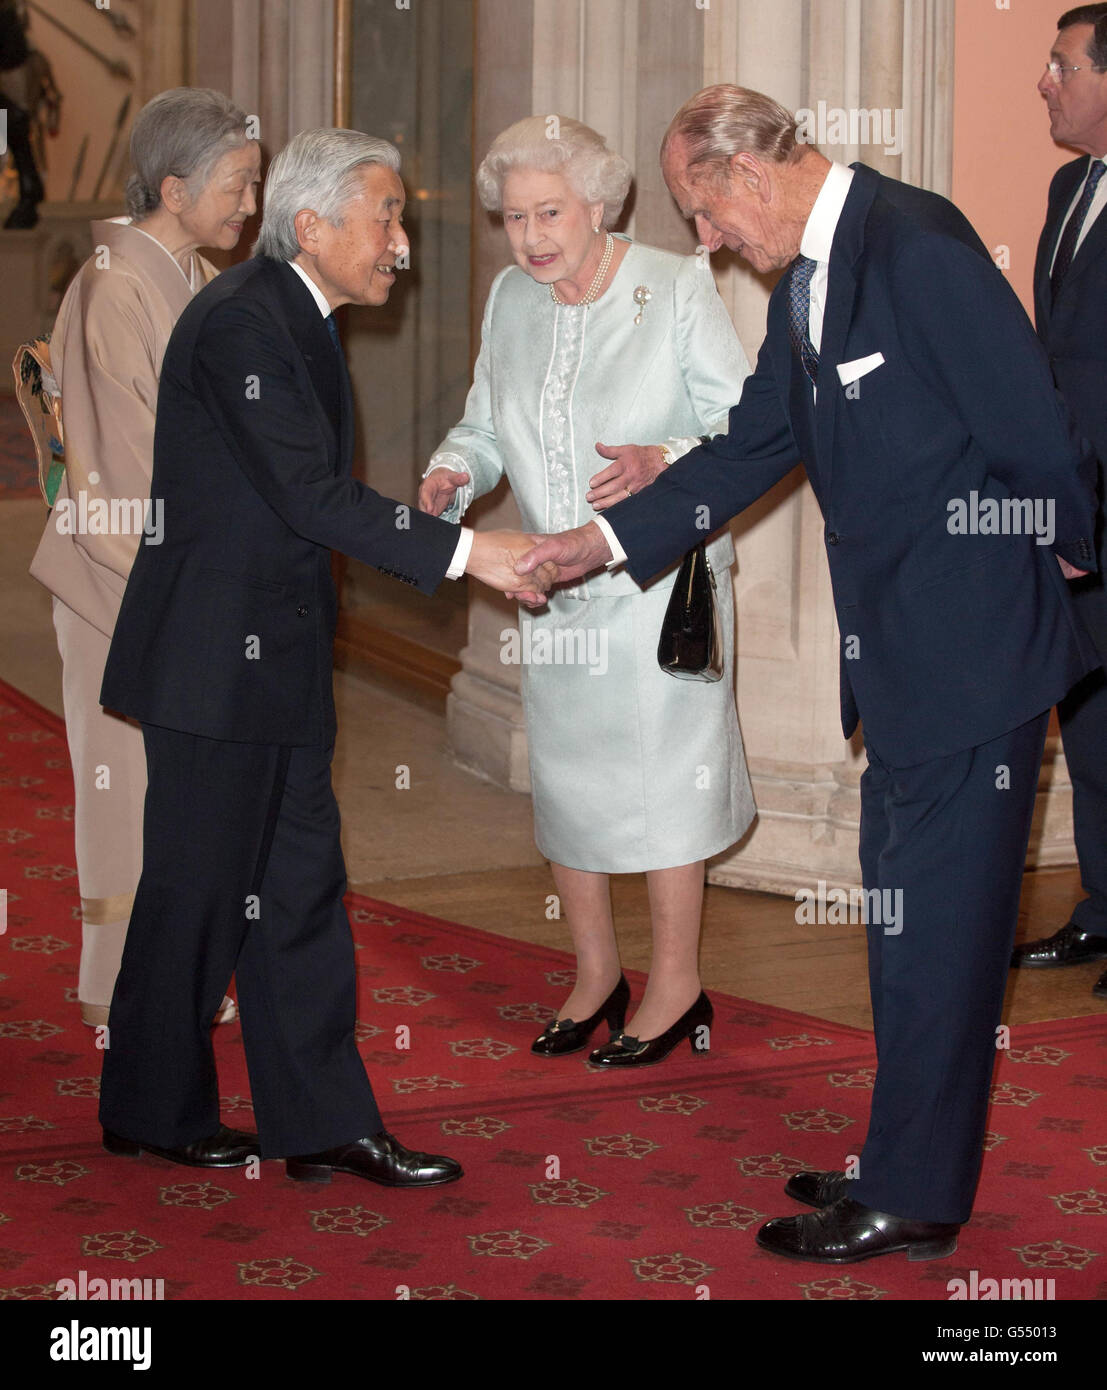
(722, 121)
(182, 132)
(316, 170)
(558, 145)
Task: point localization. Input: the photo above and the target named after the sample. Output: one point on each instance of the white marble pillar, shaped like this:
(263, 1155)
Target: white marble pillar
(275, 58)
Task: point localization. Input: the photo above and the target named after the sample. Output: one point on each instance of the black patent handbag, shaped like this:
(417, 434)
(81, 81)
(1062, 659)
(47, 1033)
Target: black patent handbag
(691, 643)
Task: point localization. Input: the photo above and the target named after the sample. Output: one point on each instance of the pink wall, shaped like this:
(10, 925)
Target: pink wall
(1003, 157)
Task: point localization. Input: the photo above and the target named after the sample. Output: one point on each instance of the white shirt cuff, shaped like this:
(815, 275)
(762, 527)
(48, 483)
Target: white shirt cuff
(461, 554)
(618, 554)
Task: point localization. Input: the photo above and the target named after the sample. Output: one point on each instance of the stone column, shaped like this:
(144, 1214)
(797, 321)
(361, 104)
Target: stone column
(275, 58)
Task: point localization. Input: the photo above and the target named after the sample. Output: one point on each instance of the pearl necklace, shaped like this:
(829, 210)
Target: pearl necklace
(589, 295)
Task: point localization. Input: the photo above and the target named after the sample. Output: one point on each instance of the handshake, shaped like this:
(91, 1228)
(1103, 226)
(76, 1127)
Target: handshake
(522, 566)
(512, 560)
(504, 559)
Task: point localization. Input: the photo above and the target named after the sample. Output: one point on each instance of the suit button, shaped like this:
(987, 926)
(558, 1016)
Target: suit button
(832, 538)
(302, 611)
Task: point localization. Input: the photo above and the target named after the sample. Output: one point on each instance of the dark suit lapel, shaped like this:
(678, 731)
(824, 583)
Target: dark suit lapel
(1062, 194)
(1091, 249)
(314, 341)
(841, 291)
(346, 434)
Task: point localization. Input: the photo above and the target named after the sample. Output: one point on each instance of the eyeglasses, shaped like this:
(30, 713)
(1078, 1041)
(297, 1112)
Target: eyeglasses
(1057, 70)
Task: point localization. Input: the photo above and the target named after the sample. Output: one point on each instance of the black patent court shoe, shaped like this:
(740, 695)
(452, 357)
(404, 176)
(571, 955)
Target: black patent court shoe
(625, 1051)
(563, 1035)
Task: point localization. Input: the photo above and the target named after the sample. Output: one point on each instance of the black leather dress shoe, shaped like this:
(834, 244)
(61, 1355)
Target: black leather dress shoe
(226, 1148)
(846, 1231)
(1069, 946)
(625, 1051)
(381, 1159)
(817, 1189)
(563, 1035)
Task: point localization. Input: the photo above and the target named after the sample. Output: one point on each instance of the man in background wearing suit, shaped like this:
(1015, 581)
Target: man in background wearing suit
(1070, 307)
(223, 651)
(900, 368)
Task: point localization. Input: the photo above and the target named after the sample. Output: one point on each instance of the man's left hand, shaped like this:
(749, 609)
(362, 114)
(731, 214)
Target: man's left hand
(1070, 571)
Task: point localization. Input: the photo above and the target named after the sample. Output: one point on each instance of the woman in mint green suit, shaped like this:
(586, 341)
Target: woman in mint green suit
(587, 338)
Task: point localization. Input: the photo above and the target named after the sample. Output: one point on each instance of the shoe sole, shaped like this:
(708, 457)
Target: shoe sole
(924, 1250)
(318, 1173)
(1057, 964)
(130, 1148)
(618, 1066)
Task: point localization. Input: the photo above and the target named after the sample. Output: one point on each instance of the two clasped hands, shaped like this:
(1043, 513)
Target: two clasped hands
(501, 558)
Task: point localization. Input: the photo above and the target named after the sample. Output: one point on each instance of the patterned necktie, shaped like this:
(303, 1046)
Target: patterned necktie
(799, 313)
(1066, 247)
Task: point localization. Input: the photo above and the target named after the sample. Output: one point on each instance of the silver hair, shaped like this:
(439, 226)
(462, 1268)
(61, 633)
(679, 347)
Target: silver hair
(724, 120)
(316, 170)
(560, 145)
(182, 132)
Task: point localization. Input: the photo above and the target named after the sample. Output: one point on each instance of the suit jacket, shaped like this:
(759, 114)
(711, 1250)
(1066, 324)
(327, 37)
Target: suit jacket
(106, 349)
(947, 640)
(227, 627)
(1074, 333)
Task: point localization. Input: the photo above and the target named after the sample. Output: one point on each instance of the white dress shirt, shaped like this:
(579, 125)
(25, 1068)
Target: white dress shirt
(817, 239)
(1099, 201)
(465, 540)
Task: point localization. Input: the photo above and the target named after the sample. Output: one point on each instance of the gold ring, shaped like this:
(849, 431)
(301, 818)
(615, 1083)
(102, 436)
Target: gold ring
(629, 493)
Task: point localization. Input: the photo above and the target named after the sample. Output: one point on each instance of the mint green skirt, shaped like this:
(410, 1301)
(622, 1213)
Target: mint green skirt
(631, 769)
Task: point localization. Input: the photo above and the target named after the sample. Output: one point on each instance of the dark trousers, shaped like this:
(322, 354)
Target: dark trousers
(950, 835)
(242, 873)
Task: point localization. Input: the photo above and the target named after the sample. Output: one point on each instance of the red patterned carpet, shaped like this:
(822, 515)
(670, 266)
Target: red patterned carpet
(577, 1186)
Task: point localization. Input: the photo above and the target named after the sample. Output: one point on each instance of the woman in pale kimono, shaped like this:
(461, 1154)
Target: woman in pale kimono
(194, 181)
(587, 338)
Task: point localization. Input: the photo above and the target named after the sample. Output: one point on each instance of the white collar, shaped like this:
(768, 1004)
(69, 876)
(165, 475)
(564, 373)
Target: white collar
(818, 234)
(316, 293)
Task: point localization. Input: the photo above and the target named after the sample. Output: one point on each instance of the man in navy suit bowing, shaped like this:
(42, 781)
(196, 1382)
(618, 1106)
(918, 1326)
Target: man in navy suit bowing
(900, 368)
(1070, 308)
(223, 651)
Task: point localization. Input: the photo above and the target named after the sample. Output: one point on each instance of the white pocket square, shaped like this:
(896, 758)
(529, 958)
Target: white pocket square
(849, 372)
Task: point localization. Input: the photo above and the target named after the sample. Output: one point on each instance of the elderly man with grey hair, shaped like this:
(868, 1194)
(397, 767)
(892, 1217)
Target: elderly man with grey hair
(223, 652)
(899, 367)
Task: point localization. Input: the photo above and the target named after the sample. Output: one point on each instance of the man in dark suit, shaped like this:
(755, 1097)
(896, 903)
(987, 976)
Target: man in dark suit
(223, 651)
(900, 368)
(1070, 307)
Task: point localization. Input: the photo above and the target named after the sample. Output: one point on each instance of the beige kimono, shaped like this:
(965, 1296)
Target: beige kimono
(107, 347)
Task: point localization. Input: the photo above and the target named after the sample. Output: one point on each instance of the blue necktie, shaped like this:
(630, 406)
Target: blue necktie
(799, 313)
(332, 329)
(1066, 247)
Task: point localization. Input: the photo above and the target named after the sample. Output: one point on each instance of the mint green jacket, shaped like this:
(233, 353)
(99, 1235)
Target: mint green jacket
(553, 380)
